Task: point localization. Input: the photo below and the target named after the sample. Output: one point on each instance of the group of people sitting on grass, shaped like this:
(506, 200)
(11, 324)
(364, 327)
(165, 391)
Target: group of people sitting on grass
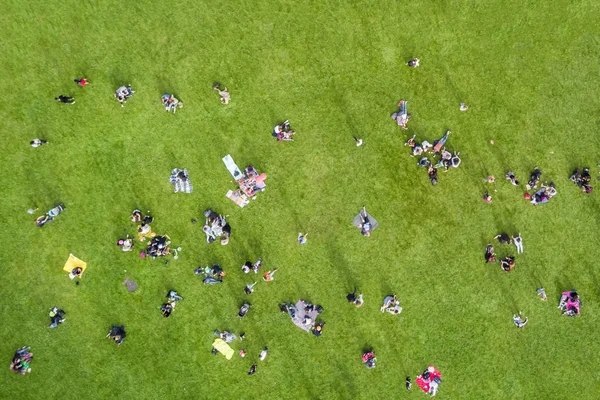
(49, 216)
(544, 194)
(172, 299)
(171, 103)
(440, 157)
(368, 358)
(123, 93)
(144, 230)
(227, 336)
(507, 263)
(402, 116)
(216, 226)
(21, 361)
(283, 131)
(570, 303)
(252, 267)
(211, 275)
(304, 315)
(391, 305)
(158, 245)
(117, 334)
(429, 381)
(252, 182)
(582, 179)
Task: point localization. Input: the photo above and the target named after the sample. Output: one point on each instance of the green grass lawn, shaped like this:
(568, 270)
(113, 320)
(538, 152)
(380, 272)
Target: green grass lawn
(528, 71)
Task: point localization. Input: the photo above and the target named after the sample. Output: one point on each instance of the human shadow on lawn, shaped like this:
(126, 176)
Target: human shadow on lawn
(340, 262)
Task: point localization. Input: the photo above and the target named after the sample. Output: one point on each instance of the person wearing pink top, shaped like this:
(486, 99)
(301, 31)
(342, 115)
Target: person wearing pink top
(569, 303)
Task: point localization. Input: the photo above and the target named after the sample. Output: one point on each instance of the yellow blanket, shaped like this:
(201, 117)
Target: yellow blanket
(74, 262)
(223, 348)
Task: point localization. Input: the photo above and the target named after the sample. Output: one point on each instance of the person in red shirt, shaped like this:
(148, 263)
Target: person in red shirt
(81, 82)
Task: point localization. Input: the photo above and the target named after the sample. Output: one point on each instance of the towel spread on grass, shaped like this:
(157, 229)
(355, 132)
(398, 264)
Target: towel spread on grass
(300, 314)
(238, 198)
(423, 384)
(233, 169)
(179, 184)
(223, 348)
(357, 221)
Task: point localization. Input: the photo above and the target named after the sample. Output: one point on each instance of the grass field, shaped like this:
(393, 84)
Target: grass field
(528, 71)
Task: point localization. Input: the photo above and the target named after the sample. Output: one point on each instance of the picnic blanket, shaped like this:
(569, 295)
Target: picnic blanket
(300, 314)
(131, 285)
(233, 169)
(74, 262)
(179, 184)
(357, 221)
(238, 198)
(425, 384)
(223, 348)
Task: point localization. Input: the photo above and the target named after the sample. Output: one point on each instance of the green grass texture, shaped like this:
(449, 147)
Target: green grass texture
(335, 69)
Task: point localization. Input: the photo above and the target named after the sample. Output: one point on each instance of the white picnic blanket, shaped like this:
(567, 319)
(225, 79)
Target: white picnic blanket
(298, 320)
(233, 169)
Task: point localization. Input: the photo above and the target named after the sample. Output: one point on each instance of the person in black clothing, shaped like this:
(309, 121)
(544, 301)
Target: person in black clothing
(503, 238)
(166, 309)
(432, 172)
(117, 333)
(490, 254)
(318, 329)
(65, 99)
(244, 310)
(56, 317)
(534, 179)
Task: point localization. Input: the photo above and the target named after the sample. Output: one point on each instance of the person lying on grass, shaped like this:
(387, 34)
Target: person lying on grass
(503, 238)
(534, 179)
(432, 173)
(489, 254)
(365, 224)
(519, 321)
(401, 116)
(227, 336)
